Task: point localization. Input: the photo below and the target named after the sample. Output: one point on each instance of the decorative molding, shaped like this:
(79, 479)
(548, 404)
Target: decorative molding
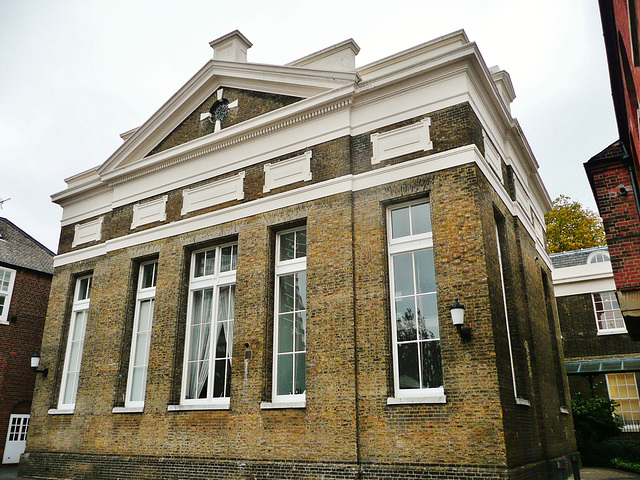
(401, 141)
(214, 193)
(87, 232)
(234, 141)
(288, 171)
(149, 212)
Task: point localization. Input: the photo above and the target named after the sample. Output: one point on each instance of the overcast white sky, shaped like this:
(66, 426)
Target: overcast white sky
(74, 74)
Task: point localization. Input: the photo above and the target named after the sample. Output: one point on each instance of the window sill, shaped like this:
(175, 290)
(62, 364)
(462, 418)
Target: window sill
(205, 406)
(410, 400)
(612, 331)
(4, 322)
(60, 411)
(127, 410)
(280, 405)
(564, 410)
(523, 401)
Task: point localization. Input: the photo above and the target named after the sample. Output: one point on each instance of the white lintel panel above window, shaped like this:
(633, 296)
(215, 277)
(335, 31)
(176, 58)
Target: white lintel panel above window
(214, 193)
(401, 141)
(286, 172)
(149, 212)
(87, 232)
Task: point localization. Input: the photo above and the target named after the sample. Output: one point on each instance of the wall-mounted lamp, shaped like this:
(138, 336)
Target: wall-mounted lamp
(457, 316)
(35, 363)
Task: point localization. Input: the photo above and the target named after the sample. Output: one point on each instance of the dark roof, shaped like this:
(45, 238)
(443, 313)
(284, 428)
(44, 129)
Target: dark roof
(19, 249)
(574, 257)
(603, 365)
(615, 150)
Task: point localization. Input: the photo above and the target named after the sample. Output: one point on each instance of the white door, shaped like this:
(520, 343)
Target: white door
(16, 438)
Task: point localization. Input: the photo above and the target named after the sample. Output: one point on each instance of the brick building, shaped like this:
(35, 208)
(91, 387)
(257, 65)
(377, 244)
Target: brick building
(614, 172)
(257, 283)
(601, 359)
(26, 269)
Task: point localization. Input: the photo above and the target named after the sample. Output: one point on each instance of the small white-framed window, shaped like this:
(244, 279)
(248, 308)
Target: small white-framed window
(206, 378)
(290, 317)
(609, 318)
(141, 335)
(75, 343)
(7, 279)
(417, 360)
(623, 388)
(598, 257)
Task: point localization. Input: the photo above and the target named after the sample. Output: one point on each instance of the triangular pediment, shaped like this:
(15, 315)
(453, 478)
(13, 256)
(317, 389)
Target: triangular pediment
(224, 108)
(258, 89)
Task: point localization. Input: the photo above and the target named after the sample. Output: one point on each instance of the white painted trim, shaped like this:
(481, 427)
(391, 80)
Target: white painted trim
(127, 410)
(286, 172)
(149, 212)
(421, 399)
(203, 406)
(281, 405)
(612, 331)
(60, 411)
(401, 141)
(4, 318)
(213, 193)
(87, 232)
(523, 401)
(381, 176)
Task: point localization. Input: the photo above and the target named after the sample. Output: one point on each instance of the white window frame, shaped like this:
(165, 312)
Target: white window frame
(599, 256)
(616, 311)
(6, 294)
(285, 267)
(620, 409)
(407, 244)
(215, 281)
(80, 307)
(142, 295)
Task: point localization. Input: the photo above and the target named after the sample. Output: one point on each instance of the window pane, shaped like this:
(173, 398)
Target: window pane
(287, 246)
(144, 315)
(140, 356)
(408, 365)
(223, 302)
(431, 364)
(78, 328)
(285, 333)
(138, 380)
(286, 293)
(421, 218)
(285, 374)
(301, 291)
(406, 319)
(400, 226)
(425, 271)
(301, 243)
(428, 317)
(220, 378)
(301, 328)
(84, 289)
(70, 390)
(300, 373)
(226, 260)
(403, 274)
(148, 275)
(222, 339)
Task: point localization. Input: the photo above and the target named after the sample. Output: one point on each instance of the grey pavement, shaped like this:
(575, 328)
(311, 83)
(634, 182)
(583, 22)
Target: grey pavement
(11, 473)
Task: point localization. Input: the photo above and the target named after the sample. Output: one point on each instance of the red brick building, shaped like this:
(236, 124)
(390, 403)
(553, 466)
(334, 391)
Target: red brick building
(614, 172)
(26, 269)
(257, 283)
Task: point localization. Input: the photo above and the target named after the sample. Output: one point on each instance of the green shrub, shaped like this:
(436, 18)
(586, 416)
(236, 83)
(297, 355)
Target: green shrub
(594, 419)
(615, 453)
(627, 465)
